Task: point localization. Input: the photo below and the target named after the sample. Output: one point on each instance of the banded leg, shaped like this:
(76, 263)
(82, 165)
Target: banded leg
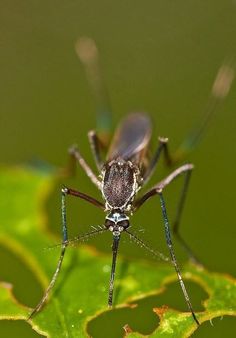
(157, 190)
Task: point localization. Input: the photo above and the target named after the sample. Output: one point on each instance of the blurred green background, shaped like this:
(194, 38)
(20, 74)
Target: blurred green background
(157, 56)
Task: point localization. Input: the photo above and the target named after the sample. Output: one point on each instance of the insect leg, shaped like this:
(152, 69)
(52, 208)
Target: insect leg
(88, 54)
(157, 189)
(96, 146)
(65, 241)
(176, 223)
(173, 257)
(153, 191)
(186, 170)
(63, 249)
(162, 146)
(76, 156)
(220, 89)
(83, 196)
(115, 245)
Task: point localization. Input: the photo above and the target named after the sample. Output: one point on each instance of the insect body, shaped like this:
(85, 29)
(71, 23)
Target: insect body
(126, 169)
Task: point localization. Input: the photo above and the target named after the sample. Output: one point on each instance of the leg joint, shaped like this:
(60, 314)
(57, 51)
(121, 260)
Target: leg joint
(73, 149)
(64, 190)
(159, 189)
(163, 140)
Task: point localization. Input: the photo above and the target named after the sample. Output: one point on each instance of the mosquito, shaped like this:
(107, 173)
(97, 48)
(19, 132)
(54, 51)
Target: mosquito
(125, 170)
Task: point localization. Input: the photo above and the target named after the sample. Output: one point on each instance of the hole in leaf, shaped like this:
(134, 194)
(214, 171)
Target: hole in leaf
(19, 275)
(173, 296)
(111, 323)
(141, 318)
(16, 329)
(218, 328)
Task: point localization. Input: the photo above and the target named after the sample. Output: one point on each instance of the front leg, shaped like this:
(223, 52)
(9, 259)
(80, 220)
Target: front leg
(185, 170)
(59, 264)
(173, 257)
(65, 241)
(157, 190)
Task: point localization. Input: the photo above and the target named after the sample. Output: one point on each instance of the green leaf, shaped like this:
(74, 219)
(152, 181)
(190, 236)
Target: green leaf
(80, 293)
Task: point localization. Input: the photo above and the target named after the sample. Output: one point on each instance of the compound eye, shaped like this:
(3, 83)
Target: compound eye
(108, 223)
(124, 224)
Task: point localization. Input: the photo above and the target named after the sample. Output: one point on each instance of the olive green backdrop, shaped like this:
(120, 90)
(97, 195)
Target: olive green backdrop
(157, 56)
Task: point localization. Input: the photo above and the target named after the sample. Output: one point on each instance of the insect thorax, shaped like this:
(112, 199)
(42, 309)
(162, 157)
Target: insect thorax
(120, 183)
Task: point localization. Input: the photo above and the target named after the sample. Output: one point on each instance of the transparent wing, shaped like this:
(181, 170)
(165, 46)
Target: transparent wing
(131, 137)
